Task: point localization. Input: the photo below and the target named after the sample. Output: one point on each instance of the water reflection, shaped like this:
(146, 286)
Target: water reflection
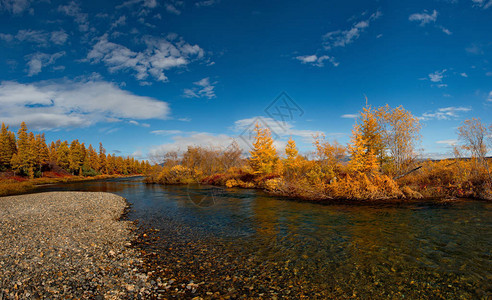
(292, 249)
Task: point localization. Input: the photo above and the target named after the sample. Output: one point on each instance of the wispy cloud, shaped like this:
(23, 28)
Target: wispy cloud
(316, 61)
(341, 38)
(350, 116)
(203, 89)
(15, 6)
(490, 96)
(451, 142)
(206, 3)
(424, 17)
(160, 55)
(40, 37)
(445, 113)
(166, 132)
(484, 4)
(174, 7)
(64, 104)
(73, 10)
(338, 38)
(437, 76)
(37, 61)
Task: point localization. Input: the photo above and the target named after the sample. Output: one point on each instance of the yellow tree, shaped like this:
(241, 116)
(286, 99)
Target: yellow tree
(77, 156)
(22, 160)
(103, 166)
(63, 156)
(371, 130)
(330, 155)
(42, 153)
(7, 146)
(92, 159)
(362, 158)
(264, 157)
(291, 163)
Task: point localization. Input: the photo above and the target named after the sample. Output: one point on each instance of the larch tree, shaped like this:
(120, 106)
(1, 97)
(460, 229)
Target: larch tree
(292, 161)
(103, 165)
(7, 146)
(22, 160)
(63, 155)
(362, 158)
(264, 159)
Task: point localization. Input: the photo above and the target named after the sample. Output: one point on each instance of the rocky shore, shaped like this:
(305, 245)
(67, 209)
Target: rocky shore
(68, 245)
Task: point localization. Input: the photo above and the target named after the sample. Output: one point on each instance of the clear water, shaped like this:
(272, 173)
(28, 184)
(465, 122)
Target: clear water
(241, 242)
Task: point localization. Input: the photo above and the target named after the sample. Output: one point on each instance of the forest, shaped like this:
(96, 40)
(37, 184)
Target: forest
(26, 157)
(381, 161)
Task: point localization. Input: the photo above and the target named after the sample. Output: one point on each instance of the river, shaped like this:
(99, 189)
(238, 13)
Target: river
(215, 243)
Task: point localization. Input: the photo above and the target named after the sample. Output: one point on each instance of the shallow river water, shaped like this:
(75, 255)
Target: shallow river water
(219, 243)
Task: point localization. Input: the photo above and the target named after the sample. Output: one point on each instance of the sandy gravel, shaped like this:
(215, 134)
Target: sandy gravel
(67, 245)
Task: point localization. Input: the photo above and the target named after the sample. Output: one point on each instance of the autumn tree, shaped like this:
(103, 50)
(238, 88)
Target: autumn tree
(63, 155)
(7, 146)
(472, 133)
(400, 132)
(362, 158)
(292, 162)
(328, 154)
(103, 164)
(264, 157)
(22, 161)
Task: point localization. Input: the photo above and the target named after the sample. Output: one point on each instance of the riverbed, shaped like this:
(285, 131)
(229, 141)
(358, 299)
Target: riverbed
(217, 243)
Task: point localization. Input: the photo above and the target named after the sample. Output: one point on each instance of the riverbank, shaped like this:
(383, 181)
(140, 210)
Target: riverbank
(68, 245)
(19, 185)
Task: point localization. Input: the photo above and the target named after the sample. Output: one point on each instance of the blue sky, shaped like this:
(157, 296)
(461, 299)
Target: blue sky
(149, 76)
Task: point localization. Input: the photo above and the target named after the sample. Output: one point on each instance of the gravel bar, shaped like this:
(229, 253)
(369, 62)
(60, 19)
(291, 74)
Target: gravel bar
(68, 245)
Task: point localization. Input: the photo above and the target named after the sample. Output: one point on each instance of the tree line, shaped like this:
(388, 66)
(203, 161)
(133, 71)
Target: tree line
(381, 161)
(28, 154)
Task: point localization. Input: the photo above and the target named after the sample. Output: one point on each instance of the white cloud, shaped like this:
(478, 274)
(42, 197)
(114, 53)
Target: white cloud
(437, 76)
(490, 96)
(282, 129)
(39, 37)
(203, 89)
(350, 116)
(159, 56)
(171, 8)
(73, 10)
(424, 17)
(119, 22)
(133, 122)
(445, 113)
(464, 74)
(316, 61)
(15, 6)
(206, 3)
(59, 37)
(37, 61)
(475, 49)
(166, 132)
(445, 30)
(451, 142)
(49, 105)
(341, 38)
(182, 141)
(484, 4)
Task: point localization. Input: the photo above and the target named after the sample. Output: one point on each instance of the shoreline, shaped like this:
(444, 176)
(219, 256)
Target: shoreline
(338, 201)
(68, 244)
(12, 187)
